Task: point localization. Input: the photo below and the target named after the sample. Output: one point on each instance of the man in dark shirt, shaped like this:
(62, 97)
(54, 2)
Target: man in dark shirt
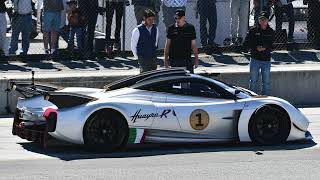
(259, 41)
(181, 40)
(3, 27)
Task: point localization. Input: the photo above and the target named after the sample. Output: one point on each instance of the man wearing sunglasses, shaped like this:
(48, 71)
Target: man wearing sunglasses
(181, 40)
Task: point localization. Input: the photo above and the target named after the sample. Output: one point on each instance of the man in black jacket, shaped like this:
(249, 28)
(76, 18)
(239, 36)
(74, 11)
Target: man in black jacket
(259, 41)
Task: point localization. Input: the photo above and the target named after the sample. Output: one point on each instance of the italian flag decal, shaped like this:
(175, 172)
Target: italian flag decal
(136, 136)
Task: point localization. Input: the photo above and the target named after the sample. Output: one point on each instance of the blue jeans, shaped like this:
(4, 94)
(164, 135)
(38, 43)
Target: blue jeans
(20, 24)
(255, 66)
(78, 32)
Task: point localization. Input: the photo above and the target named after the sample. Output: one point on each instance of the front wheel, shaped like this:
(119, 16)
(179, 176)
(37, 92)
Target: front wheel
(105, 130)
(269, 125)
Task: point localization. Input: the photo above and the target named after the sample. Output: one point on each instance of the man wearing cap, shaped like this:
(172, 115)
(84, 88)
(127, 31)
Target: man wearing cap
(259, 41)
(144, 42)
(181, 40)
(169, 8)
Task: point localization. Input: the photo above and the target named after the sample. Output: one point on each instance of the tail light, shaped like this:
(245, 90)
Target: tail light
(51, 115)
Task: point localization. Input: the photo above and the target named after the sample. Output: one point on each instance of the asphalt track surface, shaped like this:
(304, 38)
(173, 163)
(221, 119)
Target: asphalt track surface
(21, 159)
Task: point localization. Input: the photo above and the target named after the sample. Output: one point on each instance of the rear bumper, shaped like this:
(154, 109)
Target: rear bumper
(36, 131)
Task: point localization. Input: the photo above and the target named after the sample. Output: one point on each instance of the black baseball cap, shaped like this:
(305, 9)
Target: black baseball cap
(264, 15)
(180, 13)
(72, 2)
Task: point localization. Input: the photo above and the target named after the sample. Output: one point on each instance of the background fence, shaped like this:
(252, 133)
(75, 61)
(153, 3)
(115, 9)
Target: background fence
(223, 34)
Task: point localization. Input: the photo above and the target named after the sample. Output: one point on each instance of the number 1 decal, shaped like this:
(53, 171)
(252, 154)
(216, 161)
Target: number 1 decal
(199, 119)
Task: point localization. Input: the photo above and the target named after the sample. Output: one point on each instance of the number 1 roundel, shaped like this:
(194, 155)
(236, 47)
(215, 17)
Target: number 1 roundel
(199, 119)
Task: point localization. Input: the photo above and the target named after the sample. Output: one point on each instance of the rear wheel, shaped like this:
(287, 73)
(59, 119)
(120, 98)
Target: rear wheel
(269, 125)
(105, 130)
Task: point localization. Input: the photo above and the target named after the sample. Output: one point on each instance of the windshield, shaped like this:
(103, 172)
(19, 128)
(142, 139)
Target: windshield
(231, 88)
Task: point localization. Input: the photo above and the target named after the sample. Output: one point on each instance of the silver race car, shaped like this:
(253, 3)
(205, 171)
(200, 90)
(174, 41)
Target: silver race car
(163, 106)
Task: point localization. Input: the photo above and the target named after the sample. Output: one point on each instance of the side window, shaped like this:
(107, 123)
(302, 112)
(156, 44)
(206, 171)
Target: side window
(193, 89)
(186, 88)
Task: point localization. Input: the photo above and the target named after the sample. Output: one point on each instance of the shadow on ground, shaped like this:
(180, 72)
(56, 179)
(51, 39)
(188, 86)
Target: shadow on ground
(69, 152)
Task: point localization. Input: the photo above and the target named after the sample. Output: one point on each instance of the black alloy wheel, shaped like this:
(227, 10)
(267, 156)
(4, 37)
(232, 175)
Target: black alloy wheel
(269, 125)
(105, 130)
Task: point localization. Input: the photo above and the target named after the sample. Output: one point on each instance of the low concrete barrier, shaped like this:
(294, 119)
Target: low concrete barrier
(298, 87)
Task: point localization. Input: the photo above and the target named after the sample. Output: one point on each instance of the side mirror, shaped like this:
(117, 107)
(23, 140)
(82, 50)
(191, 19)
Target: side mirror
(236, 92)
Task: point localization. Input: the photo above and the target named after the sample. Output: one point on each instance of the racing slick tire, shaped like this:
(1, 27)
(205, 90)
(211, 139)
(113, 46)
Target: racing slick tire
(269, 125)
(105, 130)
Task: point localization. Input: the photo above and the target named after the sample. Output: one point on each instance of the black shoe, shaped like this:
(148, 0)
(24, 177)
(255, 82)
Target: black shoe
(214, 48)
(227, 42)
(117, 46)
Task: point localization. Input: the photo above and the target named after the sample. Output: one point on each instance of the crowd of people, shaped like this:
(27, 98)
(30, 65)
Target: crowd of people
(67, 19)
(70, 18)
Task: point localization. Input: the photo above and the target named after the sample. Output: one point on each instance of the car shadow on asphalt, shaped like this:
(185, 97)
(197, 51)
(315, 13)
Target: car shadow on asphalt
(69, 152)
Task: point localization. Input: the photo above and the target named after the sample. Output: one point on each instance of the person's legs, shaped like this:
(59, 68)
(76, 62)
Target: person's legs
(71, 38)
(16, 29)
(243, 18)
(254, 75)
(290, 14)
(265, 72)
(54, 31)
(147, 64)
(3, 30)
(138, 12)
(203, 30)
(47, 24)
(279, 15)
(26, 31)
(109, 17)
(212, 18)
(79, 38)
(235, 8)
(89, 37)
(119, 14)
(182, 63)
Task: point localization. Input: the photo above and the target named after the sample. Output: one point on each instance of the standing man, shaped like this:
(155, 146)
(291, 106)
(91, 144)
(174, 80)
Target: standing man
(259, 40)
(21, 23)
(141, 5)
(51, 24)
(169, 8)
(281, 7)
(313, 22)
(181, 40)
(3, 27)
(144, 42)
(239, 20)
(208, 13)
(89, 9)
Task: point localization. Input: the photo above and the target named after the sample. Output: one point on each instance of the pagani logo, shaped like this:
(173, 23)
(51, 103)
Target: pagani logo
(137, 115)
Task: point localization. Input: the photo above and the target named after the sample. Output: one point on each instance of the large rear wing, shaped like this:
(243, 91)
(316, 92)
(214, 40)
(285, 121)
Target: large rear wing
(29, 89)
